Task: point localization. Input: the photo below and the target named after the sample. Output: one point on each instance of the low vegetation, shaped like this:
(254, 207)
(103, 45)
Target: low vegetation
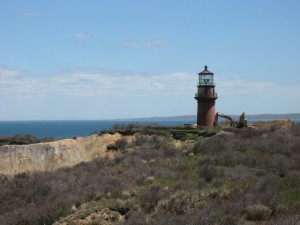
(23, 140)
(182, 133)
(244, 176)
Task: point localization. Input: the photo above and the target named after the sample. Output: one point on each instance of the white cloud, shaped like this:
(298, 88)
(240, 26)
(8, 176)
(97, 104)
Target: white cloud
(7, 72)
(81, 35)
(159, 85)
(92, 84)
(148, 44)
(15, 83)
(244, 87)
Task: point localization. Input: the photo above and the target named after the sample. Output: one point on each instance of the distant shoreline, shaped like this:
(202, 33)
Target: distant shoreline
(262, 117)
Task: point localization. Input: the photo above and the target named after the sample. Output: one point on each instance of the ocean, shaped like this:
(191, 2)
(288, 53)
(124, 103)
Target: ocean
(69, 129)
(76, 128)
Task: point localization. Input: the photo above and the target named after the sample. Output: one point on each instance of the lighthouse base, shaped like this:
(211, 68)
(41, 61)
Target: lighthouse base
(206, 113)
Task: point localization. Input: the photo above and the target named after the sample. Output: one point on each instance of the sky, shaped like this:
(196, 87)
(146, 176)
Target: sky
(116, 59)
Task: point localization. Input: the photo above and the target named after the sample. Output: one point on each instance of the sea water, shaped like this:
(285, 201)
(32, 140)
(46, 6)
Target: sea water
(77, 128)
(69, 129)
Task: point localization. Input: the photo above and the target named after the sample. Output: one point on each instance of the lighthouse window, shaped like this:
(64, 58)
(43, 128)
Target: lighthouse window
(206, 80)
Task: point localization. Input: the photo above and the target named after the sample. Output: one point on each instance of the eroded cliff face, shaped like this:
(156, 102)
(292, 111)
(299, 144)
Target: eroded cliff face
(53, 155)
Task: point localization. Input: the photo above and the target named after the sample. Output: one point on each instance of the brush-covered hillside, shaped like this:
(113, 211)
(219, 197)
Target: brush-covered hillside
(159, 176)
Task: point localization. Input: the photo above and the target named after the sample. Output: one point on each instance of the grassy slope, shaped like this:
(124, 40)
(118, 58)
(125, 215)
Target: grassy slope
(230, 178)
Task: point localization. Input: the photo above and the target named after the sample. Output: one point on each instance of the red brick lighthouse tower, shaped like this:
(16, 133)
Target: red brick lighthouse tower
(206, 97)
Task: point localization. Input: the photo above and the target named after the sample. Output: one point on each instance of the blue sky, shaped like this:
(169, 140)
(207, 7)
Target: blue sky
(107, 59)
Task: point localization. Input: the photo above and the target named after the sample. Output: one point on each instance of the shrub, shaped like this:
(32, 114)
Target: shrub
(177, 203)
(22, 222)
(209, 172)
(120, 145)
(133, 218)
(141, 140)
(168, 148)
(287, 220)
(213, 145)
(211, 214)
(251, 133)
(179, 135)
(23, 140)
(281, 164)
(163, 219)
(258, 212)
(150, 197)
(296, 130)
(292, 180)
(228, 159)
(229, 220)
(266, 191)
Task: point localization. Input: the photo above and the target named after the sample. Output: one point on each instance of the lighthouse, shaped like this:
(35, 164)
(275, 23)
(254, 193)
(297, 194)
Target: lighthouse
(206, 98)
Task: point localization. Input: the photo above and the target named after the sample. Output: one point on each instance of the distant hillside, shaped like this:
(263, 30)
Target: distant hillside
(292, 116)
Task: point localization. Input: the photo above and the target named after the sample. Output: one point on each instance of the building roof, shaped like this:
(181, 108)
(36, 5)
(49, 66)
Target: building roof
(206, 72)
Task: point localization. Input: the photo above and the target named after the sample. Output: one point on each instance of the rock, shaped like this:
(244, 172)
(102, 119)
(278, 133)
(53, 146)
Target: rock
(50, 156)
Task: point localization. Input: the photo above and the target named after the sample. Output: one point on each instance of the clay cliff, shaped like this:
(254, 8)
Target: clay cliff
(53, 155)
